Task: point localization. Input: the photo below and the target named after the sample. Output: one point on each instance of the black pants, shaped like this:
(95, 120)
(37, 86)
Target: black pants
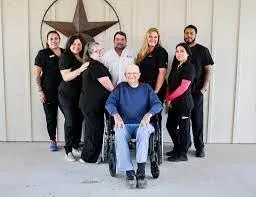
(73, 122)
(197, 121)
(179, 129)
(93, 136)
(51, 112)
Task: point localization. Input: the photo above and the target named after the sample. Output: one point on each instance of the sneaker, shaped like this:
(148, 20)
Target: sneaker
(141, 182)
(70, 157)
(131, 181)
(171, 153)
(183, 157)
(173, 158)
(82, 161)
(77, 151)
(53, 146)
(176, 158)
(200, 153)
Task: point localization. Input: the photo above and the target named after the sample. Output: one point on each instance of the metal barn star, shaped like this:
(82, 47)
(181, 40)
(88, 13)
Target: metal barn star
(80, 25)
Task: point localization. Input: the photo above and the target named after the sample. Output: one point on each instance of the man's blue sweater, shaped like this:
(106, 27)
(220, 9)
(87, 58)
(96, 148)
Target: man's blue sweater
(133, 103)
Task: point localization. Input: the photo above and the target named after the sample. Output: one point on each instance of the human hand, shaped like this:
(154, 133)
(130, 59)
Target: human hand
(146, 119)
(84, 67)
(203, 90)
(42, 96)
(168, 103)
(119, 123)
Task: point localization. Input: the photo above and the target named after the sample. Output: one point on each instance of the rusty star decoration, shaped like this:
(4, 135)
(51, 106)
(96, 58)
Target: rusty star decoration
(80, 25)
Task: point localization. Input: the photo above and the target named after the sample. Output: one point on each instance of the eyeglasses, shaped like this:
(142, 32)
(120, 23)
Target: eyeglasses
(129, 74)
(99, 51)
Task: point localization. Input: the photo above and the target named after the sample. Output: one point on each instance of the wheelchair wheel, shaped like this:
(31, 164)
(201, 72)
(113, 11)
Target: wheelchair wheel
(112, 162)
(160, 149)
(154, 167)
(105, 147)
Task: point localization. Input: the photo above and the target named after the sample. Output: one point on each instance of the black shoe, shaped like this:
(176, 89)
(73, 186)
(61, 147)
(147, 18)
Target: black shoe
(200, 153)
(131, 181)
(141, 181)
(171, 153)
(173, 158)
(182, 157)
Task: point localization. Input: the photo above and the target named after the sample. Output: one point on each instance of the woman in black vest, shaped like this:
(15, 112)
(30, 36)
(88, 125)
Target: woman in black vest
(48, 78)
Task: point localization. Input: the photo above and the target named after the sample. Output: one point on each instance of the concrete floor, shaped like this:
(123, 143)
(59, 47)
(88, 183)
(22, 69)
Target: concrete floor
(29, 169)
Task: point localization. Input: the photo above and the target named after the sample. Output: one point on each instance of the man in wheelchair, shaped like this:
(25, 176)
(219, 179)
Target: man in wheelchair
(132, 104)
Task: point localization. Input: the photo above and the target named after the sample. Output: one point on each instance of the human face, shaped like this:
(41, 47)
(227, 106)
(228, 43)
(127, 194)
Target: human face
(98, 53)
(76, 47)
(181, 54)
(53, 41)
(153, 39)
(190, 36)
(120, 42)
(132, 75)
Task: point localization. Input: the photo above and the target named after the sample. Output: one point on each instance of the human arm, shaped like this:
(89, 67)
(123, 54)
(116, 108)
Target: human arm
(106, 82)
(160, 79)
(112, 105)
(161, 62)
(69, 75)
(207, 77)
(37, 71)
(207, 63)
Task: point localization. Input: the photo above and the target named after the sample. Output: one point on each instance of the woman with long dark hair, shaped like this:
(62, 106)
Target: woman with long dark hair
(71, 67)
(180, 102)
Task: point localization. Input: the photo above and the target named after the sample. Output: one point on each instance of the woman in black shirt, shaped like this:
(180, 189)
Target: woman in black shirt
(180, 102)
(96, 87)
(153, 60)
(48, 78)
(70, 66)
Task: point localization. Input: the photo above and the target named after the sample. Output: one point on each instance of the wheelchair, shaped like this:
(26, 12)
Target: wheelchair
(155, 151)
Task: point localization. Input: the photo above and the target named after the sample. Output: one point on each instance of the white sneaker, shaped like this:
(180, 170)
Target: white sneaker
(70, 157)
(82, 161)
(77, 152)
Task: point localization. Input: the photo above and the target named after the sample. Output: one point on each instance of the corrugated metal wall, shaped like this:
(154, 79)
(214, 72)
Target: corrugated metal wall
(226, 27)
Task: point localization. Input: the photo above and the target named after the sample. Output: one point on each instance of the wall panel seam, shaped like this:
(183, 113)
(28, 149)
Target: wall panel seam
(187, 11)
(2, 77)
(28, 72)
(237, 87)
(211, 87)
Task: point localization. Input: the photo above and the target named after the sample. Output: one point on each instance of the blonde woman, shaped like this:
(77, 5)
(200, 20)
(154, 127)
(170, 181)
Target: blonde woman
(153, 60)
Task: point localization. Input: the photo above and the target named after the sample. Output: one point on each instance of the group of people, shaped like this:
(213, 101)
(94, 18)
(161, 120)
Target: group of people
(85, 82)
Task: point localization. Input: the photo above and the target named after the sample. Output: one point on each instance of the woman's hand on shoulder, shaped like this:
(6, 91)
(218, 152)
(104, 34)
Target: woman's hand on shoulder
(84, 67)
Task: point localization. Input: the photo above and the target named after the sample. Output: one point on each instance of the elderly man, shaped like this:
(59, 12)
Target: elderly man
(132, 104)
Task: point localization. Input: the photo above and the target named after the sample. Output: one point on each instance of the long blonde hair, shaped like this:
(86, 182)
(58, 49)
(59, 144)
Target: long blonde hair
(144, 50)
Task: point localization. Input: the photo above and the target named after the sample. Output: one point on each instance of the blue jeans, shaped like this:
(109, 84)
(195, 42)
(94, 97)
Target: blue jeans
(123, 136)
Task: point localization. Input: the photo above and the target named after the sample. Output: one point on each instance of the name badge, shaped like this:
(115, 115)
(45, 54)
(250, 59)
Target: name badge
(51, 56)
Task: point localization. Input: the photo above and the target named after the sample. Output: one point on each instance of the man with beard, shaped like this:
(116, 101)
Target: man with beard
(118, 58)
(202, 61)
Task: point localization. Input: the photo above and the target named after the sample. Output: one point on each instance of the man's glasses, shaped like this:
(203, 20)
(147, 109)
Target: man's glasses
(134, 73)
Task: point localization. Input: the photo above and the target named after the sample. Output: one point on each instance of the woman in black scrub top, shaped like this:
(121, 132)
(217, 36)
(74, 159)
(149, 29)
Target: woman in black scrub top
(180, 102)
(70, 65)
(48, 78)
(96, 87)
(153, 60)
